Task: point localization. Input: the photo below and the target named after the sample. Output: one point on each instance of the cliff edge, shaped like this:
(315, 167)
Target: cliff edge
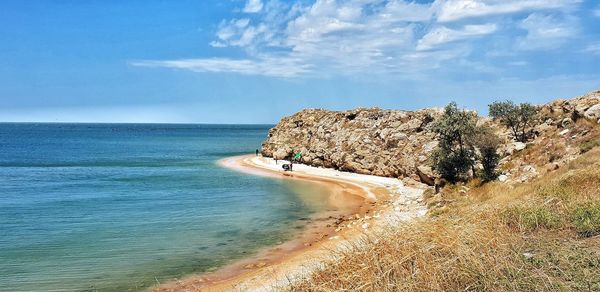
(397, 143)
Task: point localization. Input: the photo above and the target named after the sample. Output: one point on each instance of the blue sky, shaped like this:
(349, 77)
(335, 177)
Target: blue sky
(253, 61)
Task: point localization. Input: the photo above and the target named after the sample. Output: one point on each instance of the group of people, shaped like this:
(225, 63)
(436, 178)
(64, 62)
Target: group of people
(289, 166)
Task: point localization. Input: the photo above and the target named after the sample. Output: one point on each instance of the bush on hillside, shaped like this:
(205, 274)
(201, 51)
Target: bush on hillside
(455, 154)
(518, 118)
(487, 142)
(459, 137)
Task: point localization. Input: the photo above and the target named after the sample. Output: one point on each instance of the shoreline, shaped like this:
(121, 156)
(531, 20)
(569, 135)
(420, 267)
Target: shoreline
(364, 203)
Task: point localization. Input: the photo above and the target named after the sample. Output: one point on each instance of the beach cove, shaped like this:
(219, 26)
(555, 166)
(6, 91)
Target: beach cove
(362, 203)
(117, 207)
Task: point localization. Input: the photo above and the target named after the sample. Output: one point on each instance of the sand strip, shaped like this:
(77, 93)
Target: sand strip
(369, 202)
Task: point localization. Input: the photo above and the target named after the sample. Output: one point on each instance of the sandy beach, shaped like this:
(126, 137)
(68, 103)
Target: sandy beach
(363, 204)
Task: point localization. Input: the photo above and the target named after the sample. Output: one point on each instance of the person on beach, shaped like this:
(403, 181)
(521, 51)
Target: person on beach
(256, 152)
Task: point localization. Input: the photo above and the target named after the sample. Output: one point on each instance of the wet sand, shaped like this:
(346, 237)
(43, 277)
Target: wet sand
(361, 202)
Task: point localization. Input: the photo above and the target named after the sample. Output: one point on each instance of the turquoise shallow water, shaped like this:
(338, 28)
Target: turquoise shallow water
(114, 207)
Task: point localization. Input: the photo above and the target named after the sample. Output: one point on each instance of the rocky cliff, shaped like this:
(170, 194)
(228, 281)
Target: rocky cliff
(398, 143)
(368, 141)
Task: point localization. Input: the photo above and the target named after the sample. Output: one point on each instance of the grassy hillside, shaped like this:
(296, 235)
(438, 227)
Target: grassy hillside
(543, 235)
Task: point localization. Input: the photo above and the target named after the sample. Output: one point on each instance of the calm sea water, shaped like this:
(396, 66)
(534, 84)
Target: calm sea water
(115, 207)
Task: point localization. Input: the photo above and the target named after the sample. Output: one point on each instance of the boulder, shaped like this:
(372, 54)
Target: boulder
(281, 153)
(426, 175)
(529, 168)
(543, 128)
(515, 147)
(593, 112)
(430, 146)
(566, 122)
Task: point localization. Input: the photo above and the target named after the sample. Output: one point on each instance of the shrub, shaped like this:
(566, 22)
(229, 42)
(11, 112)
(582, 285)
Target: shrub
(455, 154)
(586, 219)
(451, 165)
(488, 142)
(531, 218)
(588, 145)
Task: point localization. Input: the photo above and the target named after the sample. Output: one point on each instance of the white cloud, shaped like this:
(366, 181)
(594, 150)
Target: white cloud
(407, 11)
(597, 12)
(253, 6)
(268, 66)
(547, 31)
(337, 37)
(442, 35)
(518, 63)
(334, 36)
(452, 10)
(593, 48)
(237, 32)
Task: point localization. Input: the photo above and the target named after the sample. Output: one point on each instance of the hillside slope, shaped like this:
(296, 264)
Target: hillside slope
(540, 236)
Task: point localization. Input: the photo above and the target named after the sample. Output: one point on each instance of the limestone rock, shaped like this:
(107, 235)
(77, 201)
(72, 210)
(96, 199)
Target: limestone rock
(593, 112)
(566, 122)
(426, 175)
(514, 147)
(429, 147)
(529, 168)
(365, 140)
(281, 153)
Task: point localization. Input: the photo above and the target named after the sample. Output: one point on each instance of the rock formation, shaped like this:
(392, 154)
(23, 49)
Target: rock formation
(368, 141)
(397, 143)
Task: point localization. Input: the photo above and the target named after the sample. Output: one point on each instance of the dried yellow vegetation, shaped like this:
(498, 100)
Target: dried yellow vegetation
(543, 235)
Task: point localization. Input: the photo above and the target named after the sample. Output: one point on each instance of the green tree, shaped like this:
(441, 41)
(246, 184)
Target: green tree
(487, 142)
(455, 153)
(518, 118)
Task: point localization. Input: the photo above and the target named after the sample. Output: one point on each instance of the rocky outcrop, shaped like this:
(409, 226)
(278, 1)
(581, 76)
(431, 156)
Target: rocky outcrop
(368, 141)
(397, 143)
(586, 106)
(565, 126)
(426, 175)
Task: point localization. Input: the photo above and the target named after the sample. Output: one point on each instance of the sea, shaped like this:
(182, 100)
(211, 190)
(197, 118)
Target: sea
(121, 207)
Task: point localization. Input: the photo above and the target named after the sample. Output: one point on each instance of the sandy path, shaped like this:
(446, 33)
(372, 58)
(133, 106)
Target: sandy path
(369, 202)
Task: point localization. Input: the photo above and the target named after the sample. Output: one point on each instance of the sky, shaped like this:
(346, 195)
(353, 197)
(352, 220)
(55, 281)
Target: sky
(255, 61)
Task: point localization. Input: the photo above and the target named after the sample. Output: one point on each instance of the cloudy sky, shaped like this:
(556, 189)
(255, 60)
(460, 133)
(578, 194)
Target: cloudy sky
(253, 61)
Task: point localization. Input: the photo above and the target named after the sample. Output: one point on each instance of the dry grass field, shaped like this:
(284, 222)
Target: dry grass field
(542, 235)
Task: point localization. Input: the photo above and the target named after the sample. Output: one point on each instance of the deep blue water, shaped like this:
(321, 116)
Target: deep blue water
(121, 206)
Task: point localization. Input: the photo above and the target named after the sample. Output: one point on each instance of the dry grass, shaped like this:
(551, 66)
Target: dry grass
(537, 236)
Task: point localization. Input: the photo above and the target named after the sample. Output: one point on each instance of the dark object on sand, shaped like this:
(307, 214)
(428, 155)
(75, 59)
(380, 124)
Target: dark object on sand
(256, 152)
(287, 167)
